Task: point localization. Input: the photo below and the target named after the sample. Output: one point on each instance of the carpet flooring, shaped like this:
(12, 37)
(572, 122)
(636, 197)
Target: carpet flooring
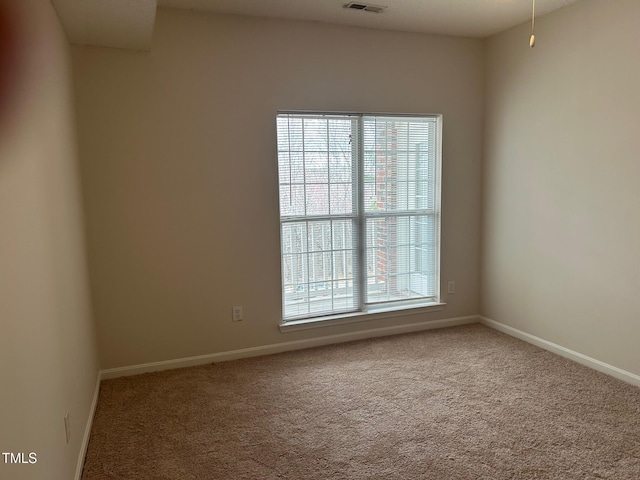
(458, 403)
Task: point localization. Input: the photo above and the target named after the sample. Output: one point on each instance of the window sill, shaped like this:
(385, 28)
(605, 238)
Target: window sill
(372, 314)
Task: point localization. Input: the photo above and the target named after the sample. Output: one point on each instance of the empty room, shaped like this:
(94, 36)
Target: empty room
(313, 239)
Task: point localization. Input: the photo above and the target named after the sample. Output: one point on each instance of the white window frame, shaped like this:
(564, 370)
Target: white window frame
(364, 310)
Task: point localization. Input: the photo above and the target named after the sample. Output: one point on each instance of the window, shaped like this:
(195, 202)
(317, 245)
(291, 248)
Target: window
(359, 212)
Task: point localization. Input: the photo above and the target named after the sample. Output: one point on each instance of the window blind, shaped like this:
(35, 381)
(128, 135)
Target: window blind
(359, 211)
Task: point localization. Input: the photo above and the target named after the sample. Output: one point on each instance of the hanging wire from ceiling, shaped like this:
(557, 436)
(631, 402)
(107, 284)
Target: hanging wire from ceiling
(532, 40)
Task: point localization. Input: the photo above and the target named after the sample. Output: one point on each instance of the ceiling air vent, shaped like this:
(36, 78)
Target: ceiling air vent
(365, 7)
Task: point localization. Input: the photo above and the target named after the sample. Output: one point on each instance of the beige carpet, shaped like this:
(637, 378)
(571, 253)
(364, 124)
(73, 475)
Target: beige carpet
(460, 403)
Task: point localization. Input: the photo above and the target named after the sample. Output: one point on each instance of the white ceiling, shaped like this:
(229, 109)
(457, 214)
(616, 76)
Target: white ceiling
(129, 23)
(108, 23)
(467, 18)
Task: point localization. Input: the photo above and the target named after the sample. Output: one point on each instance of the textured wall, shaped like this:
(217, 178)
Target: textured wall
(561, 199)
(180, 173)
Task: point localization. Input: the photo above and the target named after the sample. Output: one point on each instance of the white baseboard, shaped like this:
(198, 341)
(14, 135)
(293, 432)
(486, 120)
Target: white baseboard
(564, 352)
(284, 347)
(87, 429)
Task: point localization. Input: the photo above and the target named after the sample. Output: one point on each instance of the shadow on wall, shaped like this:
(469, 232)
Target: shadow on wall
(11, 67)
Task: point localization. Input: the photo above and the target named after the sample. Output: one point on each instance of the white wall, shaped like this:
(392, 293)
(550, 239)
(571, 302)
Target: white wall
(561, 219)
(180, 174)
(47, 346)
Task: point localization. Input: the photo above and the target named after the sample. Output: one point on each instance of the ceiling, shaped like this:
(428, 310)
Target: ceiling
(108, 23)
(129, 23)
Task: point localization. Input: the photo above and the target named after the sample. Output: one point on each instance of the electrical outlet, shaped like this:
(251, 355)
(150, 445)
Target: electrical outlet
(67, 426)
(236, 315)
(451, 286)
